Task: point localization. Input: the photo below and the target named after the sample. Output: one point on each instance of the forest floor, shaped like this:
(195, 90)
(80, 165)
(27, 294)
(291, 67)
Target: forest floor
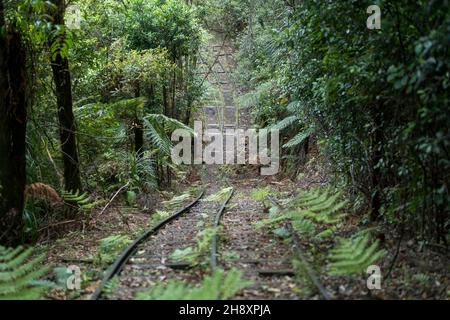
(419, 272)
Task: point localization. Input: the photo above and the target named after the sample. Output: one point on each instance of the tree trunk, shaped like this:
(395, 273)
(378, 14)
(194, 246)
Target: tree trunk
(174, 90)
(187, 116)
(13, 121)
(165, 103)
(138, 128)
(63, 84)
(376, 201)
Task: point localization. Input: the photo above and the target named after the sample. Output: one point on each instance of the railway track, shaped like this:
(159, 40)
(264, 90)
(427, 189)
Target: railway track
(127, 254)
(264, 260)
(129, 258)
(145, 261)
(298, 250)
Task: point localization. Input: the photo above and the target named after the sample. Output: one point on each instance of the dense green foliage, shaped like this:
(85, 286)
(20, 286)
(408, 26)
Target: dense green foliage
(377, 101)
(87, 113)
(132, 68)
(120, 52)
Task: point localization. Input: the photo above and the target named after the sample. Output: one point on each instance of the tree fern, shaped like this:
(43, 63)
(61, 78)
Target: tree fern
(220, 285)
(139, 172)
(158, 137)
(354, 255)
(158, 129)
(19, 274)
(169, 124)
(129, 108)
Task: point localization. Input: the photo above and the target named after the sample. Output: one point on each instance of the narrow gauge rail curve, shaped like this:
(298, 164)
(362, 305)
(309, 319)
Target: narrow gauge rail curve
(126, 255)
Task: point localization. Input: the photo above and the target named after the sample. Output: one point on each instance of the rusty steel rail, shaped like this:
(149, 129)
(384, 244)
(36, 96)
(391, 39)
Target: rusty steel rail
(297, 244)
(126, 255)
(213, 261)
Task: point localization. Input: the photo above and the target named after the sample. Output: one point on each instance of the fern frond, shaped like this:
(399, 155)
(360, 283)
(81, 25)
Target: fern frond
(176, 200)
(19, 274)
(253, 98)
(294, 107)
(310, 208)
(261, 194)
(304, 227)
(220, 195)
(81, 200)
(285, 123)
(306, 196)
(298, 139)
(169, 124)
(172, 290)
(220, 285)
(158, 129)
(109, 247)
(158, 137)
(353, 256)
(317, 201)
(196, 254)
(327, 233)
(61, 42)
(8, 253)
(129, 108)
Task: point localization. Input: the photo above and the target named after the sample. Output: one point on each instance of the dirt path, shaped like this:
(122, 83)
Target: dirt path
(254, 251)
(151, 264)
(241, 245)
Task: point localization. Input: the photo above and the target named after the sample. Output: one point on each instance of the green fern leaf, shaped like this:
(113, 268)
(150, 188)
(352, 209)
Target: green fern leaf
(304, 227)
(169, 124)
(220, 285)
(285, 123)
(220, 195)
(299, 138)
(176, 200)
(19, 274)
(82, 201)
(354, 255)
(308, 209)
